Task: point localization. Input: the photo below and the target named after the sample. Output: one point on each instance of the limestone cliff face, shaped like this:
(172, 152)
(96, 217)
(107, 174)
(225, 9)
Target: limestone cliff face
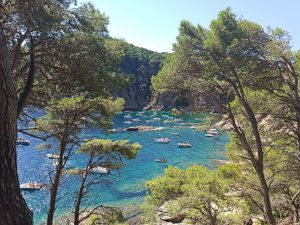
(184, 101)
(141, 64)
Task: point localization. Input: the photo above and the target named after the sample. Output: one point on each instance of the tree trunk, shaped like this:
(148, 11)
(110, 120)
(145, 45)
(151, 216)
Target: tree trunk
(266, 197)
(258, 162)
(81, 193)
(55, 184)
(13, 208)
(79, 198)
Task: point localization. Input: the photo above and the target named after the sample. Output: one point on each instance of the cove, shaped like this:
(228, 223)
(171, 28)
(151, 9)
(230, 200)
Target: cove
(126, 186)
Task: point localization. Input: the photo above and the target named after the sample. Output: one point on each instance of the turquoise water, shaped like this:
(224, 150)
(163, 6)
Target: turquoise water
(127, 184)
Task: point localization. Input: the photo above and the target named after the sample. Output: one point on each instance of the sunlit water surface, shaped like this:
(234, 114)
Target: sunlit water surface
(127, 185)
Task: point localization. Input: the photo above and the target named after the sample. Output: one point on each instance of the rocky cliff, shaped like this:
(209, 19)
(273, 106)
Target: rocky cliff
(141, 64)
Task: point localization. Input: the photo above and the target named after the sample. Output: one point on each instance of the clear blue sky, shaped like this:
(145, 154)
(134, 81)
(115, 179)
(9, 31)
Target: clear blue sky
(153, 24)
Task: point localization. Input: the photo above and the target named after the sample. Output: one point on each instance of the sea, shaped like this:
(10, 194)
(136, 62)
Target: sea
(124, 188)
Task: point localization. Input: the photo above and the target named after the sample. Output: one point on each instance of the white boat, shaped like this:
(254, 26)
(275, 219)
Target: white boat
(22, 141)
(161, 160)
(127, 121)
(178, 120)
(136, 120)
(156, 119)
(99, 169)
(162, 140)
(31, 186)
(176, 133)
(149, 121)
(128, 116)
(184, 144)
(209, 135)
(53, 156)
(169, 121)
(212, 131)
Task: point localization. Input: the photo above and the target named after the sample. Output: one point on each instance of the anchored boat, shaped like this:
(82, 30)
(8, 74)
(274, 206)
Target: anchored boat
(161, 160)
(184, 144)
(176, 133)
(162, 140)
(31, 186)
(22, 141)
(99, 169)
(53, 156)
(132, 128)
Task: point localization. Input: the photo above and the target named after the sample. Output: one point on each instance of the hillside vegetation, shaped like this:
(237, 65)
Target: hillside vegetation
(252, 75)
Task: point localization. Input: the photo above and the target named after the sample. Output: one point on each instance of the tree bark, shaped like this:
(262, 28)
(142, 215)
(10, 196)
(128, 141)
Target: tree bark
(13, 208)
(29, 82)
(257, 162)
(55, 184)
(81, 193)
(266, 197)
(79, 198)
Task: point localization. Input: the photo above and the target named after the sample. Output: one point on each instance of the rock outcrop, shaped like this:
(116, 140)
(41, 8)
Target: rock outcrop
(184, 101)
(141, 64)
(164, 217)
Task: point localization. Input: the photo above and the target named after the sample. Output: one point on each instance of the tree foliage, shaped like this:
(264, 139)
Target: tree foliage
(252, 75)
(197, 195)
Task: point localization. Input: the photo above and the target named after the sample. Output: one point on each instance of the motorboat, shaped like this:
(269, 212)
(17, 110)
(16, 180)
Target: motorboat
(31, 186)
(176, 133)
(156, 119)
(212, 131)
(99, 169)
(184, 144)
(136, 120)
(169, 121)
(127, 121)
(53, 156)
(162, 140)
(161, 160)
(22, 142)
(149, 121)
(209, 135)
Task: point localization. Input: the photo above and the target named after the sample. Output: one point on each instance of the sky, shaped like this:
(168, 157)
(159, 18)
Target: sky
(153, 24)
